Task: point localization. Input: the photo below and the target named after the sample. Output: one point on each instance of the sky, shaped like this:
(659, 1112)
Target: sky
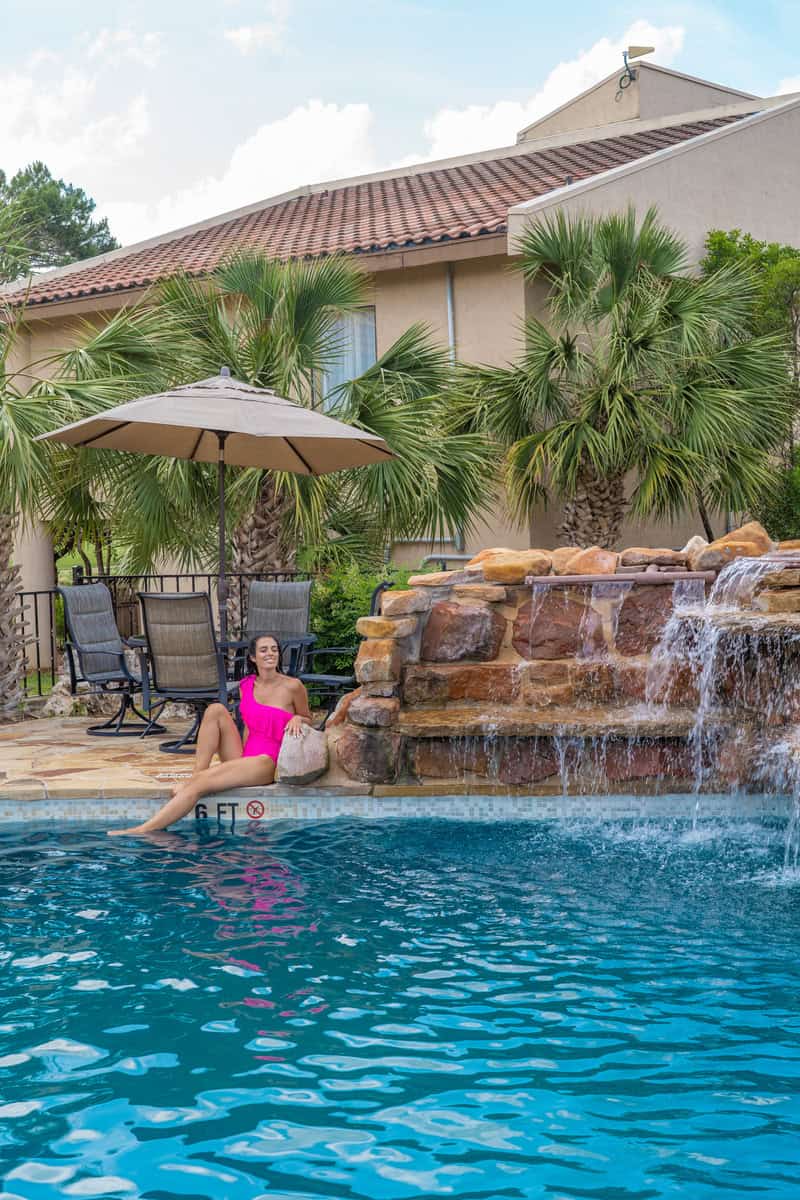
(172, 111)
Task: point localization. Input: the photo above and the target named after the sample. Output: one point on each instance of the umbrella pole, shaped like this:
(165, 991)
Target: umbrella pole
(222, 583)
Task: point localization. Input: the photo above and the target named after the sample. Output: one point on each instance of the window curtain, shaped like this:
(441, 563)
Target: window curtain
(357, 350)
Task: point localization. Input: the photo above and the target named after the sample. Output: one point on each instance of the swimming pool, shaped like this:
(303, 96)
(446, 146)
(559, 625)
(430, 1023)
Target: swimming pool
(400, 1008)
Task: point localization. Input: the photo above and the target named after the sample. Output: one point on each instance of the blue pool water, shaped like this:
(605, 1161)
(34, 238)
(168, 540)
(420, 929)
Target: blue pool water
(400, 1009)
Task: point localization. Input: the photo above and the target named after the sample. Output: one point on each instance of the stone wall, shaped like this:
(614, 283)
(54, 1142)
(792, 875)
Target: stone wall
(484, 677)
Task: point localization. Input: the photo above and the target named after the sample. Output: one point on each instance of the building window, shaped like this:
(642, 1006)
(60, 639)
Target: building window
(358, 349)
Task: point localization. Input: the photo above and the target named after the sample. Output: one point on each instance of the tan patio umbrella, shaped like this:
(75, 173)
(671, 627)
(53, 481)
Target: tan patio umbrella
(224, 420)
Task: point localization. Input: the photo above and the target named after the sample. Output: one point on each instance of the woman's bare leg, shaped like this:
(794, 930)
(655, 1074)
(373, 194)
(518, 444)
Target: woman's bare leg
(257, 771)
(217, 735)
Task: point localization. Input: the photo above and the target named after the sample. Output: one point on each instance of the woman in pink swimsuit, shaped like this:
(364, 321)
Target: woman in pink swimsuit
(272, 705)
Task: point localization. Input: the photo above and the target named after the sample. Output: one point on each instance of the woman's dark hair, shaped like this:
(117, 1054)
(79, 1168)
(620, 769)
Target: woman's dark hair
(251, 649)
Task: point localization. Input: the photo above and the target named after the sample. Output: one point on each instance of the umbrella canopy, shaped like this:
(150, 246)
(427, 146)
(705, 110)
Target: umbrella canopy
(223, 420)
(261, 429)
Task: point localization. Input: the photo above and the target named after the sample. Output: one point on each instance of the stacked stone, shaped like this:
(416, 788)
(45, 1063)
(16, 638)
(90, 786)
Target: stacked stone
(459, 654)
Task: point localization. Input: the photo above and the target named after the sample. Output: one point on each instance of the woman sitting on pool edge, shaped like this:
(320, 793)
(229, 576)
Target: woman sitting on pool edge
(272, 704)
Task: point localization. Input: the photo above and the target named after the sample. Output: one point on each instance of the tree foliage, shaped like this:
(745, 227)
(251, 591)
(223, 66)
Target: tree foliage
(638, 371)
(56, 221)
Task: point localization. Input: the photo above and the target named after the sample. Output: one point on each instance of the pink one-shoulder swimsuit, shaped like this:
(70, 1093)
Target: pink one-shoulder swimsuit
(265, 725)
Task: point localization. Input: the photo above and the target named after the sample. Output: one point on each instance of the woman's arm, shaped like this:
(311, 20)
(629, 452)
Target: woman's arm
(302, 711)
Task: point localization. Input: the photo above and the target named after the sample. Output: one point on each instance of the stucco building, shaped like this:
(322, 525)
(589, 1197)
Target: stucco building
(438, 239)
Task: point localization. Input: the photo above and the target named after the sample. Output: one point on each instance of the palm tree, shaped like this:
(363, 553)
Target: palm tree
(641, 376)
(39, 480)
(277, 325)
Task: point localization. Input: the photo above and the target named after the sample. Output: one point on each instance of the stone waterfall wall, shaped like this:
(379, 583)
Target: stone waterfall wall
(467, 680)
(476, 680)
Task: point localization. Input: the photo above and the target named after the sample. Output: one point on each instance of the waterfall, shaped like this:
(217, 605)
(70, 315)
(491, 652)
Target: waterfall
(602, 616)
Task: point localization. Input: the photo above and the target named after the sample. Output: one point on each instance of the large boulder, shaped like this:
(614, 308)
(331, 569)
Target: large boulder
(748, 541)
(524, 760)
(378, 661)
(410, 600)
(641, 556)
(717, 555)
(374, 710)
(644, 613)
(552, 624)
(302, 759)
(693, 545)
(462, 631)
(515, 566)
(490, 553)
(594, 561)
(369, 755)
(562, 557)
(754, 533)
(386, 627)
(498, 682)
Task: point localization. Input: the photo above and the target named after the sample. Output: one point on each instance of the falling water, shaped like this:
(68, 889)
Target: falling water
(601, 616)
(736, 584)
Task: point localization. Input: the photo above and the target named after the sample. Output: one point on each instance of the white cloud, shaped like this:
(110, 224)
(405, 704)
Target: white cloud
(60, 121)
(315, 141)
(112, 46)
(264, 35)
(454, 131)
(792, 84)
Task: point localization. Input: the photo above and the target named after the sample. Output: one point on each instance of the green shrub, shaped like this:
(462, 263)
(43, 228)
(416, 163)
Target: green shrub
(338, 599)
(779, 507)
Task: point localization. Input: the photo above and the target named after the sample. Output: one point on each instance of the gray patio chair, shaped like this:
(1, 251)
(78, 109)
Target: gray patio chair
(96, 655)
(185, 660)
(283, 609)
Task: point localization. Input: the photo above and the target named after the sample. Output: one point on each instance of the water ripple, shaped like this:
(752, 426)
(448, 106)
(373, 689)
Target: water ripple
(400, 1010)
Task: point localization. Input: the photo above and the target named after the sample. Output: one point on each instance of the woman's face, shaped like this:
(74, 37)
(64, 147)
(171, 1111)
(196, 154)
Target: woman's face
(267, 655)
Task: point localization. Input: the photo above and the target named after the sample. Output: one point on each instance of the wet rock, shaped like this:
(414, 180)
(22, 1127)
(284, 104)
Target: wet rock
(374, 711)
(399, 604)
(594, 561)
(787, 600)
(638, 556)
(339, 714)
(378, 660)
(449, 758)
(462, 631)
(386, 627)
(524, 760)
(789, 577)
(551, 624)
(644, 613)
(490, 593)
(647, 760)
(561, 558)
(514, 568)
(490, 553)
(368, 755)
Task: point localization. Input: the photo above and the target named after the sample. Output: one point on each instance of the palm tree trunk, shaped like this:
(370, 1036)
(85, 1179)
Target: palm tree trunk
(260, 544)
(594, 515)
(12, 650)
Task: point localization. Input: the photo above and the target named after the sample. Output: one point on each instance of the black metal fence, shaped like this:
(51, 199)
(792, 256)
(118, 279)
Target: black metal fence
(41, 618)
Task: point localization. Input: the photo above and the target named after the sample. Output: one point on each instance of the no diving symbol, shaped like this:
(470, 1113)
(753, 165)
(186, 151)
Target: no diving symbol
(255, 810)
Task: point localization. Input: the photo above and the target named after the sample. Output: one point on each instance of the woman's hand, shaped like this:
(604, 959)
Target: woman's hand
(296, 726)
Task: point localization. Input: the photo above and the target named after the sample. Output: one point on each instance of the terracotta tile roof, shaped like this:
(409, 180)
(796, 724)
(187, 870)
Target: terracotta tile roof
(382, 214)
